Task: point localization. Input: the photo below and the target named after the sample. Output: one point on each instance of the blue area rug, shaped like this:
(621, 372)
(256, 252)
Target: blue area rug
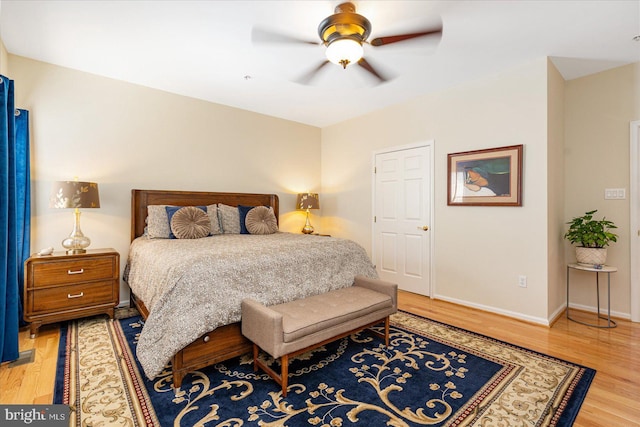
(432, 374)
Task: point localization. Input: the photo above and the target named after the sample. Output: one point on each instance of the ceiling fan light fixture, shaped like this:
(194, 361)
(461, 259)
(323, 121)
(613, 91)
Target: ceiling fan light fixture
(344, 51)
(344, 35)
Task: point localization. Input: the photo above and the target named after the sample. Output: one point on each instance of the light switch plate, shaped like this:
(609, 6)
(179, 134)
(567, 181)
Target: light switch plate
(615, 193)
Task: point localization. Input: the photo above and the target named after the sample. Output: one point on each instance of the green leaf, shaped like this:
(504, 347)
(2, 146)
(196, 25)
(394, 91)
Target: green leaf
(590, 233)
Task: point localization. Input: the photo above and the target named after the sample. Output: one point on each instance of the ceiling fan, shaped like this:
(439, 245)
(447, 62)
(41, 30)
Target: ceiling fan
(344, 33)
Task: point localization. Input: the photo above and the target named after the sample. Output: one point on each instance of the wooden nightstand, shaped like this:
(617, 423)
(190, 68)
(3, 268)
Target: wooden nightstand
(63, 287)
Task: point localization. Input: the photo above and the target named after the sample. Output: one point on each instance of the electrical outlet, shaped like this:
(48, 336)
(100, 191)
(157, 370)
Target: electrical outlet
(522, 281)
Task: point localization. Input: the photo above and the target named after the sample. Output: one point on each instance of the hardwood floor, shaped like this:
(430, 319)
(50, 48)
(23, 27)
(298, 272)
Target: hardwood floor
(32, 383)
(613, 399)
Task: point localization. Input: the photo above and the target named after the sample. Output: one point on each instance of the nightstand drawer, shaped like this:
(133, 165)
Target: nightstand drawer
(64, 286)
(63, 297)
(72, 271)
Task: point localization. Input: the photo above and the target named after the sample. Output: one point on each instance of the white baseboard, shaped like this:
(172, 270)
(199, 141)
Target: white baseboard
(557, 313)
(603, 311)
(124, 304)
(513, 314)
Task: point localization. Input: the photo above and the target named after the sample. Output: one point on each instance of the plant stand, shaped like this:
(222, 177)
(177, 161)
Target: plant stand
(604, 269)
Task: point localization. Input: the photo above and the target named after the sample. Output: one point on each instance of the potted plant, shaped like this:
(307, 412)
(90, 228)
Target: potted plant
(592, 236)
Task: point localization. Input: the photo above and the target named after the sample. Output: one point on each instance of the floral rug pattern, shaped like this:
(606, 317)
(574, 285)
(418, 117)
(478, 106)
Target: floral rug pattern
(432, 374)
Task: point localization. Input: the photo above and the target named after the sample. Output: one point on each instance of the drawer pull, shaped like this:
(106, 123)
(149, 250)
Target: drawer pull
(76, 272)
(80, 295)
(206, 338)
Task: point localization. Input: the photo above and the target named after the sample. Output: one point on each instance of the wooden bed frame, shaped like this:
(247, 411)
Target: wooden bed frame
(224, 342)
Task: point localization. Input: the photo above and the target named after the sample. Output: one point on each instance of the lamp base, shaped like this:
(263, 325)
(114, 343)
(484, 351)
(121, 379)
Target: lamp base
(76, 242)
(76, 251)
(307, 229)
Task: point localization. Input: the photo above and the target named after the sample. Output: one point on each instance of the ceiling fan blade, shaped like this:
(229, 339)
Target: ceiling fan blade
(367, 66)
(261, 35)
(308, 76)
(380, 41)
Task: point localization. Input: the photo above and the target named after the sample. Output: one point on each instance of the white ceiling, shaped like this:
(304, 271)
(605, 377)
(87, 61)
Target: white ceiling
(203, 49)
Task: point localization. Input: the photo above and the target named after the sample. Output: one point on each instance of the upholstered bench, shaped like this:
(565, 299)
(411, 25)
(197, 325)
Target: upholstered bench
(286, 330)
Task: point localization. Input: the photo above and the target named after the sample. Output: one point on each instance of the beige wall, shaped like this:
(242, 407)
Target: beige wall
(576, 138)
(4, 59)
(555, 192)
(479, 251)
(598, 110)
(125, 136)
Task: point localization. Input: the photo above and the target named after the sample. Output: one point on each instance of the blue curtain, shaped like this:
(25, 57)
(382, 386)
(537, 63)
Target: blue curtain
(15, 216)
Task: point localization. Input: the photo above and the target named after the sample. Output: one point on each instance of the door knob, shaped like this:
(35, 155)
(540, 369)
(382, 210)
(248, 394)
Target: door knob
(424, 228)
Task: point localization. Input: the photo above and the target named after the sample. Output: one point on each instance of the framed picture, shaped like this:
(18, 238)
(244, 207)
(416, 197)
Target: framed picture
(491, 177)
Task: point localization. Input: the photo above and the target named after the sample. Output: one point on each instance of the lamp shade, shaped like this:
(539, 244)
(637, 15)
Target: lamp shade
(74, 194)
(308, 201)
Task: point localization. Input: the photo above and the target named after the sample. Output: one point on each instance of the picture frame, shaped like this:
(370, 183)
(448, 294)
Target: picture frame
(489, 177)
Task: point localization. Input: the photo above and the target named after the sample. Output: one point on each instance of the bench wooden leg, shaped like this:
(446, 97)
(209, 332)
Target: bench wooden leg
(385, 335)
(256, 352)
(284, 375)
(386, 331)
(283, 378)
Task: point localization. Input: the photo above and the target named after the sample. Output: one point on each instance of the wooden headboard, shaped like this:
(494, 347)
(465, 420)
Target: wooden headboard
(140, 199)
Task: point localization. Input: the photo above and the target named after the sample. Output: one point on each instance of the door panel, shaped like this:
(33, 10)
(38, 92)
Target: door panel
(413, 203)
(402, 211)
(413, 255)
(389, 191)
(389, 254)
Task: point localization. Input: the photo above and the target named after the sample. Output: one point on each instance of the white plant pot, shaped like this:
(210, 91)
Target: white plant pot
(591, 256)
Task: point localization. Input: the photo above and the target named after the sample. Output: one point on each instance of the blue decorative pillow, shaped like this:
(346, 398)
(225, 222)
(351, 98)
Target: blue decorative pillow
(243, 211)
(171, 210)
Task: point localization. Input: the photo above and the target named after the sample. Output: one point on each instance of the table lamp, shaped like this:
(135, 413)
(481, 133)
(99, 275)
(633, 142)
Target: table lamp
(75, 194)
(308, 201)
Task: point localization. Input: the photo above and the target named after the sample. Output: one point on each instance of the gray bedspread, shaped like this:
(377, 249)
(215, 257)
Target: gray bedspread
(194, 286)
